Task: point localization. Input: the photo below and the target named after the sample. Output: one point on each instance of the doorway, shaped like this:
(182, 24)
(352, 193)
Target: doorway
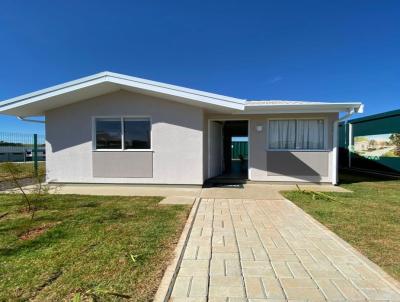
(228, 149)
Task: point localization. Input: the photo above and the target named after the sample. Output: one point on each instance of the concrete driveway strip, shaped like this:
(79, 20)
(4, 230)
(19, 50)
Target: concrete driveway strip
(270, 250)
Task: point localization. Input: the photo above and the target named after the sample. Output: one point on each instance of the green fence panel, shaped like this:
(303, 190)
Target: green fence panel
(35, 154)
(376, 143)
(239, 149)
(28, 150)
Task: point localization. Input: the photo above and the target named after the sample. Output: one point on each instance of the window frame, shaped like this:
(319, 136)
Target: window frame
(121, 118)
(325, 143)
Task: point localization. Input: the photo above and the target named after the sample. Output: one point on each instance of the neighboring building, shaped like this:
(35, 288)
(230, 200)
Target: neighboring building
(371, 143)
(112, 128)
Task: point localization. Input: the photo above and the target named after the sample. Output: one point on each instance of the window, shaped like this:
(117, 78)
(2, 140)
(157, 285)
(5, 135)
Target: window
(136, 133)
(133, 132)
(299, 134)
(108, 133)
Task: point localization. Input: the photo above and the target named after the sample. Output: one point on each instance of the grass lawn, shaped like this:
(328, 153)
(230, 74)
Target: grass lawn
(104, 248)
(25, 170)
(369, 218)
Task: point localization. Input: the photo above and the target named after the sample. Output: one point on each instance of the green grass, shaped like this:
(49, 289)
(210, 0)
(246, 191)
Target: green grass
(368, 218)
(25, 170)
(100, 246)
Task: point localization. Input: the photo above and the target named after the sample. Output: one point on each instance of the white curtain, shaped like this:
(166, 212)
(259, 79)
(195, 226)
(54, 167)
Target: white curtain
(310, 134)
(282, 134)
(296, 134)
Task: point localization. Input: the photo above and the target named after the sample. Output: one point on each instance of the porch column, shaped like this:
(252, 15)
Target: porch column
(334, 174)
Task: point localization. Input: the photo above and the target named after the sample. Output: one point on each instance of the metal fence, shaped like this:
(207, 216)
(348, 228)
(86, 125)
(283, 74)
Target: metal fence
(25, 149)
(239, 149)
(371, 143)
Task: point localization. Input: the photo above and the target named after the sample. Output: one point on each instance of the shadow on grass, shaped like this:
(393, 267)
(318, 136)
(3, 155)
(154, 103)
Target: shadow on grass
(47, 239)
(347, 176)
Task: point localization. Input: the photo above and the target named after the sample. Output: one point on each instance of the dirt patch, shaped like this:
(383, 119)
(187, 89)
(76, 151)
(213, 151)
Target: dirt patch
(9, 184)
(35, 232)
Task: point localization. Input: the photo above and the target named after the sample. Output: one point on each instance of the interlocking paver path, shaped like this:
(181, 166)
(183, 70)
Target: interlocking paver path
(270, 250)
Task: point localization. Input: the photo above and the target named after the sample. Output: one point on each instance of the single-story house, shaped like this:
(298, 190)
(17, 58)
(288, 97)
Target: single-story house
(113, 128)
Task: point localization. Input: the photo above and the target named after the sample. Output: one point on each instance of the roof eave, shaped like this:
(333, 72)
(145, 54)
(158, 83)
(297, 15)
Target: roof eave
(105, 82)
(304, 108)
(201, 98)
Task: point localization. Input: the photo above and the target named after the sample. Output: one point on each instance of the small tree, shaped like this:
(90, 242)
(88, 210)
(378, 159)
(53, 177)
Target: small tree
(395, 140)
(372, 144)
(29, 197)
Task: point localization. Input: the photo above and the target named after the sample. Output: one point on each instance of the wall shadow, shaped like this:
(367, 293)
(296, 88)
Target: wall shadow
(364, 169)
(351, 176)
(291, 165)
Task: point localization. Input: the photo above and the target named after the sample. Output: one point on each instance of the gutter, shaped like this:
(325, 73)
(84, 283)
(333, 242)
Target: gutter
(24, 119)
(335, 153)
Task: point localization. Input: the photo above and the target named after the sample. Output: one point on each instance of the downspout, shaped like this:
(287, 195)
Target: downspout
(21, 118)
(335, 153)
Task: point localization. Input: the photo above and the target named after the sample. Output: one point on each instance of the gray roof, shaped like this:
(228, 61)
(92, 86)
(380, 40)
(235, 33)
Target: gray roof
(279, 102)
(38, 102)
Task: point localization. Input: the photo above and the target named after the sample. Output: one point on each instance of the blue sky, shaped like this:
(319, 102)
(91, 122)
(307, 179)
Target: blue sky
(298, 50)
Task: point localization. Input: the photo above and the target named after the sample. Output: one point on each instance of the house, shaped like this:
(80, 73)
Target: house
(113, 128)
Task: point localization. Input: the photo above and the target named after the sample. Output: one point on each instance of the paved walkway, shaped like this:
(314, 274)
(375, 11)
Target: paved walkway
(269, 250)
(253, 191)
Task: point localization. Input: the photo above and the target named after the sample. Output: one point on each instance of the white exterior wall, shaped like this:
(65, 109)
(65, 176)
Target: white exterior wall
(179, 152)
(177, 139)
